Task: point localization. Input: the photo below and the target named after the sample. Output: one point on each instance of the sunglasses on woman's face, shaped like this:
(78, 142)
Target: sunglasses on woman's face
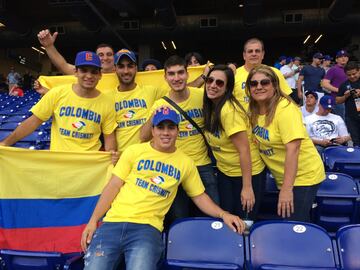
(218, 82)
(263, 82)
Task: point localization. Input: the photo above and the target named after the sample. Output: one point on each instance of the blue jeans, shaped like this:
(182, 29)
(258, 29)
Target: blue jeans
(339, 110)
(140, 244)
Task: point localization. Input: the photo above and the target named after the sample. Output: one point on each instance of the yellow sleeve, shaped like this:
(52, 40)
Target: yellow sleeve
(44, 109)
(289, 122)
(160, 92)
(123, 167)
(109, 124)
(284, 86)
(192, 183)
(232, 120)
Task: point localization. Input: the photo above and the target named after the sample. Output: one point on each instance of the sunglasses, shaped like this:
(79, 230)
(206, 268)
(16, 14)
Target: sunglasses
(218, 82)
(263, 82)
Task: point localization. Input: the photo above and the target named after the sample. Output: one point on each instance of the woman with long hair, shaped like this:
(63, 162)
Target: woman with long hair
(284, 144)
(240, 176)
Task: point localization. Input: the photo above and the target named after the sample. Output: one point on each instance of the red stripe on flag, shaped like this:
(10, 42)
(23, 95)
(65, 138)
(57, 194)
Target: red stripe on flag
(51, 239)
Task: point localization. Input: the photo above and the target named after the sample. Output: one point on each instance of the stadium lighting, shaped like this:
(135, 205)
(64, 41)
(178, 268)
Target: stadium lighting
(163, 44)
(36, 49)
(307, 39)
(2, 25)
(173, 44)
(318, 38)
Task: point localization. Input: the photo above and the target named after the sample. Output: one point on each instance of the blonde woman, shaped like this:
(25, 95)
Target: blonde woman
(284, 144)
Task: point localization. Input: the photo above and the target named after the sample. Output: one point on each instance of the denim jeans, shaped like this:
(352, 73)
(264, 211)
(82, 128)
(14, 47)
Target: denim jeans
(183, 207)
(304, 197)
(140, 244)
(230, 194)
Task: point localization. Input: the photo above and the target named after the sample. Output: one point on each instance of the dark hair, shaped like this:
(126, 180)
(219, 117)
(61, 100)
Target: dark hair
(254, 40)
(174, 60)
(212, 111)
(350, 66)
(196, 55)
(102, 45)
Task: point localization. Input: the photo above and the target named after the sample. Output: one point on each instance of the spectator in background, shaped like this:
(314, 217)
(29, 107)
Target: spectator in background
(284, 144)
(349, 93)
(296, 67)
(335, 77)
(13, 79)
(311, 75)
(310, 107)
(281, 62)
(324, 128)
(194, 59)
(326, 64)
(289, 75)
(150, 65)
(4, 88)
(27, 80)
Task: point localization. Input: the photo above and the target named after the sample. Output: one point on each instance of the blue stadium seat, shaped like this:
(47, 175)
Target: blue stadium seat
(343, 159)
(336, 202)
(9, 125)
(348, 241)
(289, 245)
(16, 118)
(27, 260)
(204, 243)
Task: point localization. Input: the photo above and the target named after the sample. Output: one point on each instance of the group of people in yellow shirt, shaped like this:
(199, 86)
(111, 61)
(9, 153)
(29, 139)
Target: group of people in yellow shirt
(247, 119)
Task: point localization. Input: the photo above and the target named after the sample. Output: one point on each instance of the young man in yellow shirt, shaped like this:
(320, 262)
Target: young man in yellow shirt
(137, 197)
(80, 112)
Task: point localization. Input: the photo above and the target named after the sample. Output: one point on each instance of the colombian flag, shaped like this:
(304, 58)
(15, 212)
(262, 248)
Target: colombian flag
(109, 81)
(47, 197)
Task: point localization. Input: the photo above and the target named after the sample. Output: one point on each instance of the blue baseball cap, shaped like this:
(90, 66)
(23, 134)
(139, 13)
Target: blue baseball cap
(87, 58)
(149, 61)
(283, 57)
(124, 52)
(165, 114)
(342, 53)
(327, 102)
(318, 55)
(315, 95)
(289, 60)
(327, 57)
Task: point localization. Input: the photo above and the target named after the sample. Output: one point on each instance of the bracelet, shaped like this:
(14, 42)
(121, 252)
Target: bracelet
(203, 77)
(221, 215)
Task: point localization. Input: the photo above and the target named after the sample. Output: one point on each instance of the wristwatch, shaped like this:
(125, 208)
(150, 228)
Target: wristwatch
(203, 77)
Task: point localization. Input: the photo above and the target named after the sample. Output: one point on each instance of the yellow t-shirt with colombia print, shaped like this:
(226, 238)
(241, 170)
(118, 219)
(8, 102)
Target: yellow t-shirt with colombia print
(287, 126)
(240, 81)
(131, 112)
(151, 181)
(77, 121)
(189, 139)
(233, 120)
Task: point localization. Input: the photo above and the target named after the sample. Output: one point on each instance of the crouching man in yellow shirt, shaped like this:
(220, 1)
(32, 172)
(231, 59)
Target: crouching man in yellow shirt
(137, 197)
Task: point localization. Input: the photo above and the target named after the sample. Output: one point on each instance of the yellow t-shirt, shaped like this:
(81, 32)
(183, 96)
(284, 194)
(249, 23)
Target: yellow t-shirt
(131, 112)
(189, 139)
(151, 181)
(287, 126)
(240, 81)
(233, 120)
(77, 122)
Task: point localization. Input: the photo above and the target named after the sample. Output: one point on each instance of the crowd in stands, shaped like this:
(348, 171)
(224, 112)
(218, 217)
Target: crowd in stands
(244, 119)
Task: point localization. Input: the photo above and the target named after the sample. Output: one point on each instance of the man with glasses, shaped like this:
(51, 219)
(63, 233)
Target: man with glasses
(253, 55)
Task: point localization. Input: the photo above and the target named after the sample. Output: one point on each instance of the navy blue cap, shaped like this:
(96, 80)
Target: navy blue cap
(327, 102)
(154, 62)
(87, 58)
(342, 53)
(327, 57)
(312, 93)
(289, 60)
(318, 55)
(124, 52)
(165, 114)
(283, 57)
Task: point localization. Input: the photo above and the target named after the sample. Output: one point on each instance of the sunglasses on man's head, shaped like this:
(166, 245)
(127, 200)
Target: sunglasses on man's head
(263, 82)
(218, 82)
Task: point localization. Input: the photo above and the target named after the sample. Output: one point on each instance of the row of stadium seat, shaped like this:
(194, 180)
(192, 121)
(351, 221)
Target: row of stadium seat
(206, 243)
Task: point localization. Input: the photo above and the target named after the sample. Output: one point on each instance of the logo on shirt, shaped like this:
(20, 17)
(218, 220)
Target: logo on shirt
(189, 126)
(323, 128)
(157, 180)
(130, 114)
(78, 125)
